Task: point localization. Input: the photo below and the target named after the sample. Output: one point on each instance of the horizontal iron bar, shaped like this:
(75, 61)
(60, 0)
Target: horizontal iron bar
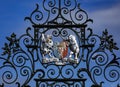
(59, 26)
(60, 80)
(86, 46)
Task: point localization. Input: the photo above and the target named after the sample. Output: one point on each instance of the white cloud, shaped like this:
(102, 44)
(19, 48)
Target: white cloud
(110, 16)
(107, 18)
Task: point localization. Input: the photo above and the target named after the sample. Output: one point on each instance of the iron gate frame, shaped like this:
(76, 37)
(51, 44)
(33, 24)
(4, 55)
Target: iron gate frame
(27, 49)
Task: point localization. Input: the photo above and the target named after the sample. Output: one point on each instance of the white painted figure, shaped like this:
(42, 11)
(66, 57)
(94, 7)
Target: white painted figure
(46, 45)
(74, 48)
(46, 48)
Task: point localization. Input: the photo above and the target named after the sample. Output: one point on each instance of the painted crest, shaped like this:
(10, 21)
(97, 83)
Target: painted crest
(60, 53)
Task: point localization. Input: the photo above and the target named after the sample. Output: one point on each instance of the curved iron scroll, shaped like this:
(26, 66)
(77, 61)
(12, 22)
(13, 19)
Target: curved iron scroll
(60, 19)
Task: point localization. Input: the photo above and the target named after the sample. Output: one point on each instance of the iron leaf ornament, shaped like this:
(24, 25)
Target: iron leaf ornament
(12, 46)
(61, 52)
(108, 42)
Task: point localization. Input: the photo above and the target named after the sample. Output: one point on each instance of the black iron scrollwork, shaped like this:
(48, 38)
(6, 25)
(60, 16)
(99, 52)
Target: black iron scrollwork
(57, 52)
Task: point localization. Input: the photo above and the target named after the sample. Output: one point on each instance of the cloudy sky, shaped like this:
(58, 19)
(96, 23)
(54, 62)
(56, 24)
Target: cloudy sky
(105, 14)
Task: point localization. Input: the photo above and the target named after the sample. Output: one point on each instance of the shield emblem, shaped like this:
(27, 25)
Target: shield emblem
(61, 49)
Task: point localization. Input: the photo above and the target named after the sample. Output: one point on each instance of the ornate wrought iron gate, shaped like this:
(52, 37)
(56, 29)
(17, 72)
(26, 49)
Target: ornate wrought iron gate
(59, 50)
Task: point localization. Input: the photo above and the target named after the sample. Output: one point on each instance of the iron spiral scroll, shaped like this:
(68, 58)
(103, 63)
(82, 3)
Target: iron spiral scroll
(59, 19)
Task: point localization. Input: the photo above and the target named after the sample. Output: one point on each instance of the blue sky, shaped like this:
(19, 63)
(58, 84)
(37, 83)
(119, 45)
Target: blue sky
(105, 14)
